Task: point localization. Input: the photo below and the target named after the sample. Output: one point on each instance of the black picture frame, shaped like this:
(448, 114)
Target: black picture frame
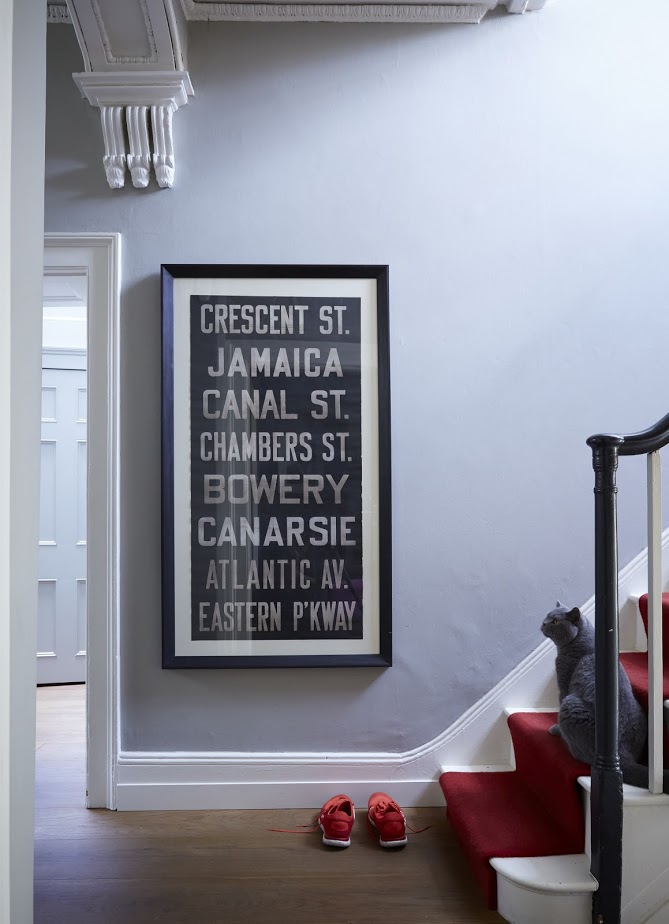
(310, 477)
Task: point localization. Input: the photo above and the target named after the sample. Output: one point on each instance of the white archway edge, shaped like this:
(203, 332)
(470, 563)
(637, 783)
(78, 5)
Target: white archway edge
(22, 111)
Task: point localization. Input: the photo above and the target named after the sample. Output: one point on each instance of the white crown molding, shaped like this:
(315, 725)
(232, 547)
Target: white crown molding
(127, 101)
(177, 13)
(453, 12)
(336, 12)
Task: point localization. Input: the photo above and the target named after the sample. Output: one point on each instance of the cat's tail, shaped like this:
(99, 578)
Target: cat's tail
(636, 774)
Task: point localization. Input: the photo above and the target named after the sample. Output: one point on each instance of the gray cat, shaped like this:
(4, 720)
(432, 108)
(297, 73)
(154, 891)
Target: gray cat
(575, 668)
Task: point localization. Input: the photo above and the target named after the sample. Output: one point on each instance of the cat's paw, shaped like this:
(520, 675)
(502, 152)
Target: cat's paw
(555, 730)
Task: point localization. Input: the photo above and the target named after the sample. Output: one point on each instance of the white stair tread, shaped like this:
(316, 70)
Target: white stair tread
(548, 874)
(632, 795)
(510, 710)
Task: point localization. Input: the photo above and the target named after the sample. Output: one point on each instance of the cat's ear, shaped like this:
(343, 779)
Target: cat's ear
(574, 615)
(558, 605)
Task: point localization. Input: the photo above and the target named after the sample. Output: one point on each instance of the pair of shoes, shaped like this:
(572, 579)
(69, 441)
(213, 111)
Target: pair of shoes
(384, 817)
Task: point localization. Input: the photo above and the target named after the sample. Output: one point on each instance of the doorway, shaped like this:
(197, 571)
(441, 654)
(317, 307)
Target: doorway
(79, 513)
(61, 613)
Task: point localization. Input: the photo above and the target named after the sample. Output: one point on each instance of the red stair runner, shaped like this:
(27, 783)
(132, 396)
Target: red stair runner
(643, 608)
(535, 810)
(636, 662)
(636, 665)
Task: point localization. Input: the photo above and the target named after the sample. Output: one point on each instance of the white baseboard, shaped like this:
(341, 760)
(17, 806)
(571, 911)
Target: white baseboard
(269, 795)
(479, 738)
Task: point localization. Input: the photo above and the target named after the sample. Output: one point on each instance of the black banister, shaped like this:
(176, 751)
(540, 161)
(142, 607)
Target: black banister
(606, 802)
(650, 440)
(607, 781)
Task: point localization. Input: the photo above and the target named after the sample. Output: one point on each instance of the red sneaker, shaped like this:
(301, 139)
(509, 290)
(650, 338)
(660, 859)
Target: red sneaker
(387, 818)
(336, 820)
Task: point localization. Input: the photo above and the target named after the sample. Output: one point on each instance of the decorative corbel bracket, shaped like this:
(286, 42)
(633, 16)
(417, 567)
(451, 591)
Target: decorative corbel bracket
(136, 73)
(136, 110)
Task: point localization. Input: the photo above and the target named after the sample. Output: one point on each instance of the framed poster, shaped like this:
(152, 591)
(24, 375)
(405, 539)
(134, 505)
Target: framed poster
(276, 545)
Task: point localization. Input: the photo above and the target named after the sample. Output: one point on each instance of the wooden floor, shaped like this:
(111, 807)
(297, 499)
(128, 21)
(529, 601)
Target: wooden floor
(94, 867)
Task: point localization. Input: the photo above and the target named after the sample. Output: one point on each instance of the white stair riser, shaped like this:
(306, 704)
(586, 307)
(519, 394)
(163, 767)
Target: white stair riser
(645, 837)
(645, 834)
(524, 906)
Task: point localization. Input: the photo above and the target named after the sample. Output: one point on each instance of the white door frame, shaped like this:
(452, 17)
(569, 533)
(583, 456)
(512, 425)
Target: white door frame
(99, 254)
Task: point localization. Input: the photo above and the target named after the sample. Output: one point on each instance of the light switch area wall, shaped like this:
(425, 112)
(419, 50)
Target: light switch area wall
(514, 177)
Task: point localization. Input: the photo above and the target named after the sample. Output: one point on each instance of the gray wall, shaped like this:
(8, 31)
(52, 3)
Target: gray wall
(514, 177)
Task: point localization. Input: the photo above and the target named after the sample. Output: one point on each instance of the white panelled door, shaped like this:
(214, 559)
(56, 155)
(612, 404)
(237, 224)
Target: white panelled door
(61, 615)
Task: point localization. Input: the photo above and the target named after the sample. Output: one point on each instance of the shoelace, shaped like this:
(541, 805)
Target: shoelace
(311, 827)
(383, 807)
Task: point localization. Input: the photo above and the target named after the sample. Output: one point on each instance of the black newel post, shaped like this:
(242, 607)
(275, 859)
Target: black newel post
(607, 780)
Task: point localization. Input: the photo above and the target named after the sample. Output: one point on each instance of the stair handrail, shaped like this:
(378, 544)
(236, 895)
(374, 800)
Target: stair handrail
(607, 782)
(645, 441)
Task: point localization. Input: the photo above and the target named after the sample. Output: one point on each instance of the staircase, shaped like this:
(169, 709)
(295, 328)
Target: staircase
(525, 831)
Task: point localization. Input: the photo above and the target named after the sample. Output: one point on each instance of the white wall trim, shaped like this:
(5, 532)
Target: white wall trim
(100, 253)
(306, 794)
(480, 738)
